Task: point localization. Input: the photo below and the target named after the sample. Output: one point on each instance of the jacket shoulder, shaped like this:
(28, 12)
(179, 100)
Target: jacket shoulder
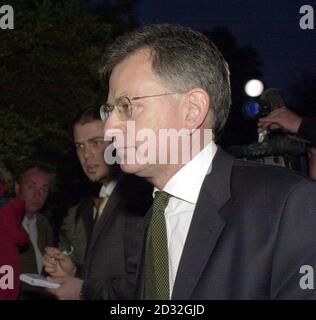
(257, 174)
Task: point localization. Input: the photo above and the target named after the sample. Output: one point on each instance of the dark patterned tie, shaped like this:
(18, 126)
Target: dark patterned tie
(156, 254)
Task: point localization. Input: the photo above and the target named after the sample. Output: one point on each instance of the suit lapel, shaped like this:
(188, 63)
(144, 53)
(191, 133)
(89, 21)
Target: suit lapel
(84, 218)
(86, 214)
(107, 213)
(206, 226)
(140, 285)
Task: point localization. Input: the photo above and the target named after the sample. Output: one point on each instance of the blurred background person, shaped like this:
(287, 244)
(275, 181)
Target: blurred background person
(76, 229)
(12, 235)
(33, 187)
(291, 122)
(113, 249)
(312, 163)
(77, 226)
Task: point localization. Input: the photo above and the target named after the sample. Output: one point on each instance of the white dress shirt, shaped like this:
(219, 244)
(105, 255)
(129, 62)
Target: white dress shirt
(105, 193)
(30, 226)
(107, 189)
(184, 188)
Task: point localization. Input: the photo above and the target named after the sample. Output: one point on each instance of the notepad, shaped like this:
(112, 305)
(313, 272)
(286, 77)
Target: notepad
(37, 280)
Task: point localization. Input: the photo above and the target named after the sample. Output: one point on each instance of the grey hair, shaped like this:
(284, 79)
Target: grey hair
(183, 59)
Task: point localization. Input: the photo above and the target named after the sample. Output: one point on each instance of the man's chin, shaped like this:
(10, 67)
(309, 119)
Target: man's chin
(32, 210)
(136, 169)
(95, 177)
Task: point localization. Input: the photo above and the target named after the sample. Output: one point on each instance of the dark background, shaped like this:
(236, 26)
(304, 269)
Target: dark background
(272, 27)
(49, 63)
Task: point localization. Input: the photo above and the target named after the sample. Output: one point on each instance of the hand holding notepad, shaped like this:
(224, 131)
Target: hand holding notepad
(37, 280)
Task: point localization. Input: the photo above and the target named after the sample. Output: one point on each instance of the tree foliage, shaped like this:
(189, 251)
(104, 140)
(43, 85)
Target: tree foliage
(48, 67)
(49, 72)
(244, 64)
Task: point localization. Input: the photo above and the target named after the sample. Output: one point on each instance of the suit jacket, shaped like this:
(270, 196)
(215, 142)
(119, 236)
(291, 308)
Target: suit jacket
(44, 239)
(113, 255)
(252, 229)
(77, 228)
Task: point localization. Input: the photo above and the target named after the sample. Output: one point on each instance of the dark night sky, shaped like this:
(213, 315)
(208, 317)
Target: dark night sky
(272, 27)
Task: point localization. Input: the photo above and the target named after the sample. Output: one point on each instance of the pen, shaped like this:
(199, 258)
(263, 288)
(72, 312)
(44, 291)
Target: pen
(68, 251)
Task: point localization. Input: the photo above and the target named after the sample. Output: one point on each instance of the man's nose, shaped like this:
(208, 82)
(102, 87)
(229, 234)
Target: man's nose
(113, 124)
(37, 193)
(87, 153)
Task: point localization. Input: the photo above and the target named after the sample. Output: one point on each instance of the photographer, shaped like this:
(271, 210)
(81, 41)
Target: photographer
(290, 121)
(312, 163)
(303, 127)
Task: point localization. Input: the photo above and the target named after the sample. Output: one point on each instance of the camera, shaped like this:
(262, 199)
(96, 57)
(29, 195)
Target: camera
(272, 144)
(270, 100)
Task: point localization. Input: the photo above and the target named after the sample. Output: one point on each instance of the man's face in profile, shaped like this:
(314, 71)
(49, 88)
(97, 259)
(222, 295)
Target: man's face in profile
(131, 78)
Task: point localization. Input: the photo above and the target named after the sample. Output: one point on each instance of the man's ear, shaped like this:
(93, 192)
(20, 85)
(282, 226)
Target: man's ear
(197, 107)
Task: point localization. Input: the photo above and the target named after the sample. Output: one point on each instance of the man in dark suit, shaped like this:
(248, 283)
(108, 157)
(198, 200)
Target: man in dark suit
(76, 229)
(77, 226)
(219, 228)
(113, 249)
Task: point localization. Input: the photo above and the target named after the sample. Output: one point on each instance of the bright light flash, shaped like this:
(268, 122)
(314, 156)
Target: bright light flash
(254, 88)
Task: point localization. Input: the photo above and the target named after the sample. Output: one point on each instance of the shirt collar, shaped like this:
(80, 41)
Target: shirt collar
(29, 221)
(107, 189)
(187, 182)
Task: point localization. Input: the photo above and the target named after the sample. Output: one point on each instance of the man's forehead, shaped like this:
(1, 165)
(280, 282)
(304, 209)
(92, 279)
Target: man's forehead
(89, 129)
(134, 77)
(141, 56)
(129, 72)
(35, 175)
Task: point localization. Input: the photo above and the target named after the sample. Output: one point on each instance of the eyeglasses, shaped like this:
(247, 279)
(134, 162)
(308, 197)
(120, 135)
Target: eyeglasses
(123, 106)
